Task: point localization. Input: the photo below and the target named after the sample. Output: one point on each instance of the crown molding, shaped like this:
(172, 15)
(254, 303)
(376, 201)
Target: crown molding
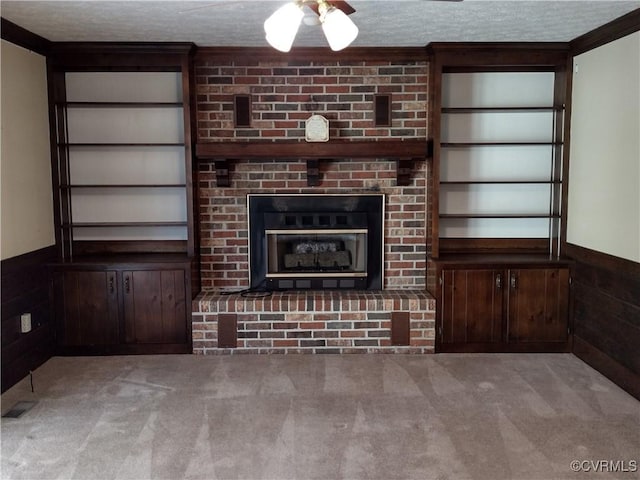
(24, 38)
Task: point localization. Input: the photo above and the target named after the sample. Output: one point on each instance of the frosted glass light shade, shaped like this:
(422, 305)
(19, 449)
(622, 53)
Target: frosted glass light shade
(282, 26)
(339, 29)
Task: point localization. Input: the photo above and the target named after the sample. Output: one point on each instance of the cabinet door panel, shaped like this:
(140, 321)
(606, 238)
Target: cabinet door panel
(155, 306)
(90, 309)
(471, 306)
(174, 314)
(538, 305)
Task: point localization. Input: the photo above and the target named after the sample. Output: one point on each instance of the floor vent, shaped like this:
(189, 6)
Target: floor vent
(19, 409)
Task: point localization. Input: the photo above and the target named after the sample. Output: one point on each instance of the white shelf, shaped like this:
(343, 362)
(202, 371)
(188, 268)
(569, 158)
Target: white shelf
(497, 156)
(149, 164)
(497, 89)
(125, 125)
(126, 156)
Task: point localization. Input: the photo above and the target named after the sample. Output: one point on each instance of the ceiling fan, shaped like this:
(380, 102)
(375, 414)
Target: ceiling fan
(282, 26)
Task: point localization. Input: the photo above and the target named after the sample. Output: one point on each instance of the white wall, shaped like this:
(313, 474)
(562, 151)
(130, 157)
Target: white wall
(25, 165)
(604, 173)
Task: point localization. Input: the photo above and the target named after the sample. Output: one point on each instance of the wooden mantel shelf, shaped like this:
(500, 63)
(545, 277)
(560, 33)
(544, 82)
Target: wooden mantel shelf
(392, 149)
(402, 151)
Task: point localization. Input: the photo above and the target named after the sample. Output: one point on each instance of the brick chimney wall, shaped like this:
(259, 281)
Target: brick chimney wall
(283, 95)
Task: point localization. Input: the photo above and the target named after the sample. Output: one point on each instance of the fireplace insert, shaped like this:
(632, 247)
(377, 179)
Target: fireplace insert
(302, 242)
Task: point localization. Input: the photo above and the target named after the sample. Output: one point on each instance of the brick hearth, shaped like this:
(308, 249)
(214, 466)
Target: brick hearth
(315, 322)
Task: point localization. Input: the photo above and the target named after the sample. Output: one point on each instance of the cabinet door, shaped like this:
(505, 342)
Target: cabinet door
(155, 306)
(471, 306)
(90, 309)
(538, 305)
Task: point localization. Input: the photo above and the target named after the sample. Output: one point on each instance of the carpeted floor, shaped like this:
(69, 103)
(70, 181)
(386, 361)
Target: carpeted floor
(443, 416)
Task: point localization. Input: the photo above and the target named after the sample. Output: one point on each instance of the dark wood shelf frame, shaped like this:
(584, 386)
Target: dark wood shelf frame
(132, 185)
(121, 104)
(123, 224)
(495, 144)
(107, 145)
(497, 57)
(112, 57)
(498, 215)
(501, 182)
(500, 109)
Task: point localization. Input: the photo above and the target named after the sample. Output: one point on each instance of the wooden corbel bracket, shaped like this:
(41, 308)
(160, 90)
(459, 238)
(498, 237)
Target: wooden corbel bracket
(313, 172)
(404, 168)
(222, 173)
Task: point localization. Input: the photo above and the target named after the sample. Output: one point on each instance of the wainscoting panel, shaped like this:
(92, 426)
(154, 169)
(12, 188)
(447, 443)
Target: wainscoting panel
(26, 289)
(606, 316)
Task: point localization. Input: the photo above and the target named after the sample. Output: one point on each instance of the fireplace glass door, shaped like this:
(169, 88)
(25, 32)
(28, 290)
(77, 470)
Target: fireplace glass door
(316, 253)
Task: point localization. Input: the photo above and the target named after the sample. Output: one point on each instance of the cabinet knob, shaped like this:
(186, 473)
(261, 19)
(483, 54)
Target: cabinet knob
(127, 284)
(499, 281)
(111, 284)
(514, 281)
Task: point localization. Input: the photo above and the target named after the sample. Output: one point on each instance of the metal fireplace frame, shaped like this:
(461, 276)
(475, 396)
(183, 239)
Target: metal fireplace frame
(262, 207)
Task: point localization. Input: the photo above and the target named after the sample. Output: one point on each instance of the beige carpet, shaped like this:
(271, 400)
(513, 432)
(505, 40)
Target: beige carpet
(322, 417)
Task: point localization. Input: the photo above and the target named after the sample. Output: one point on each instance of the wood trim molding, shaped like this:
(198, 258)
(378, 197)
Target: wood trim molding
(613, 370)
(312, 54)
(24, 38)
(602, 260)
(499, 54)
(136, 56)
(618, 28)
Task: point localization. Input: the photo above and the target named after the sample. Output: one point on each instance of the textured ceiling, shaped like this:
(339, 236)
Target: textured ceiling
(393, 23)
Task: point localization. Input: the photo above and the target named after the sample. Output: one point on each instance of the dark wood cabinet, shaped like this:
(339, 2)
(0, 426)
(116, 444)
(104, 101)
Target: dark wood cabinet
(127, 307)
(503, 309)
(155, 306)
(538, 305)
(471, 306)
(90, 305)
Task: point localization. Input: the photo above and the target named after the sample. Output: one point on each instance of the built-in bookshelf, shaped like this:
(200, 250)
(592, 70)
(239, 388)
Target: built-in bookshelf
(499, 173)
(123, 177)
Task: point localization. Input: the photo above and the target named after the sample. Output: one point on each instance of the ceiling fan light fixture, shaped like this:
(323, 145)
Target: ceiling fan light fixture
(282, 26)
(337, 27)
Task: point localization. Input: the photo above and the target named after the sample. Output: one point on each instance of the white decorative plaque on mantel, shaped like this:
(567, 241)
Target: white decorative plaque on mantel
(317, 129)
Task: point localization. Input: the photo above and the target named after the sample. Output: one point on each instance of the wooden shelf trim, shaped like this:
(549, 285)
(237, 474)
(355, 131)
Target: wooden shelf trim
(501, 182)
(520, 109)
(494, 144)
(130, 144)
(141, 185)
(498, 215)
(404, 152)
(123, 224)
(121, 104)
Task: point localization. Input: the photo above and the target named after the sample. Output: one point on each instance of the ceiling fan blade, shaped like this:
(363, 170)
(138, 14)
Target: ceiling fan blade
(340, 5)
(344, 6)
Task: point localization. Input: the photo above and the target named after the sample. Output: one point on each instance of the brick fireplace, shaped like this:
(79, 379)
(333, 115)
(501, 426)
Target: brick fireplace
(283, 94)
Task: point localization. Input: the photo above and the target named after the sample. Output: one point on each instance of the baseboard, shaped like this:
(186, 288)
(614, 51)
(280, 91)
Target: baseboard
(614, 371)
